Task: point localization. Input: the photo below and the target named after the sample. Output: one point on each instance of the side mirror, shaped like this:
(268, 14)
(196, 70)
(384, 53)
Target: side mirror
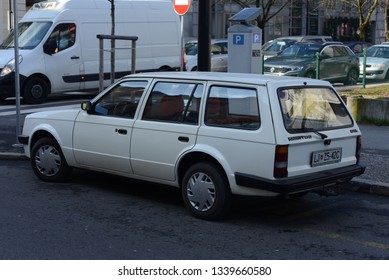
(50, 46)
(86, 106)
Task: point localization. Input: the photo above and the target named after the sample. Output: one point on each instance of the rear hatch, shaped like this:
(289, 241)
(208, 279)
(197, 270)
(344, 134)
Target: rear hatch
(314, 129)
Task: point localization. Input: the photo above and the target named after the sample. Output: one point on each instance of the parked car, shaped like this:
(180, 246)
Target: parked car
(377, 62)
(276, 46)
(219, 55)
(337, 62)
(213, 135)
(357, 47)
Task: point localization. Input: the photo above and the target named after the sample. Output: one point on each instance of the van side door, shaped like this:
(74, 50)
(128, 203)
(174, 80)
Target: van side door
(63, 59)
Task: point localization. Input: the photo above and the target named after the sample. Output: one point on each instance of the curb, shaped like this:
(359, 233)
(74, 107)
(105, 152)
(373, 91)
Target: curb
(356, 184)
(369, 186)
(13, 156)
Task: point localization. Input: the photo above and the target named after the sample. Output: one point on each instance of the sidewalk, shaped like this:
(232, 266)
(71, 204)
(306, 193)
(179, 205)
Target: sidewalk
(375, 156)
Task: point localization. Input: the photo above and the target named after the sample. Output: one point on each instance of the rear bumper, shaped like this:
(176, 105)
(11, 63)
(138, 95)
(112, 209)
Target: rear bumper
(300, 183)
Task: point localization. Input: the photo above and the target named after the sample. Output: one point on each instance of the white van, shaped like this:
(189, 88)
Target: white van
(59, 50)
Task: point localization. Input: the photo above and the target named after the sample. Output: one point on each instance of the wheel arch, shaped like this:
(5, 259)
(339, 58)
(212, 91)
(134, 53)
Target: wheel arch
(37, 75)
(195, 157)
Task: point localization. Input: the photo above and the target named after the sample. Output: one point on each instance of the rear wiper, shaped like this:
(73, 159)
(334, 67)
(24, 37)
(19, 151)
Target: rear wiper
(322, 135)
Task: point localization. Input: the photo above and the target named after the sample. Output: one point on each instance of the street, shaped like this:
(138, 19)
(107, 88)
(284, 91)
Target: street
(98, 216)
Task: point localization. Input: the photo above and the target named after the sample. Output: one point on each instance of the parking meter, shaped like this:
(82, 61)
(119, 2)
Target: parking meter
(245, 42)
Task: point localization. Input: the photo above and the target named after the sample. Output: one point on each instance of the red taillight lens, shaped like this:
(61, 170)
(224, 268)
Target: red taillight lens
(281, 162)
(359, 146)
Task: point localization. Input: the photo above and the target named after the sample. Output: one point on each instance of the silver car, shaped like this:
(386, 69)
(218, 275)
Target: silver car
(377, 62)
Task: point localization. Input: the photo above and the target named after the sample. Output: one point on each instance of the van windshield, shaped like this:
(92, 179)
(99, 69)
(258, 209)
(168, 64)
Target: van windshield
(312, 109)
(30, 35)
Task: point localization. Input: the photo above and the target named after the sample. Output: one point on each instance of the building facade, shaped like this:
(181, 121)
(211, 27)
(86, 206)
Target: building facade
(300, 17)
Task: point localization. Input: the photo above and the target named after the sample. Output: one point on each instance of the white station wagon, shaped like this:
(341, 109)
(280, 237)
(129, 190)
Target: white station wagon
(213, 135)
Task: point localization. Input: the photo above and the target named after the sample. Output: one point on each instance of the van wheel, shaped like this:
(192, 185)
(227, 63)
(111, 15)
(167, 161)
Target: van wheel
(206, 192)
(352, 77)
(48, 161)
(35, 90)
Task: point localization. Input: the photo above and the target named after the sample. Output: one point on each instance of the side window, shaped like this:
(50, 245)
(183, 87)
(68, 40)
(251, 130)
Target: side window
(232, 107)
(64, 35)
(122, 100)
(174, 102)
(340, 51)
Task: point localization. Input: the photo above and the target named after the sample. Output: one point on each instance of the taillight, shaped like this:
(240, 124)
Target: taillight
(359, 146)
(281, 161)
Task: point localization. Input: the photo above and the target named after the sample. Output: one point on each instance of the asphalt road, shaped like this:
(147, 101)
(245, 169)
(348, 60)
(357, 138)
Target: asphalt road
(97, 216)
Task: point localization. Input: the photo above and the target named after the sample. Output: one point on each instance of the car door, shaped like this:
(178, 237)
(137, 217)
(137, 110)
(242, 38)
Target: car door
(102, 134)
(328, 63)
(167, 129)
(67, 55)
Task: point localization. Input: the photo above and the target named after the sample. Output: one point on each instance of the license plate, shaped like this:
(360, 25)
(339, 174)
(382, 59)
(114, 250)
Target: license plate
(326, 157)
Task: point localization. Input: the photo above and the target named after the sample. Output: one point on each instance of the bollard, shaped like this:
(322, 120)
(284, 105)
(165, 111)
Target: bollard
(364, 69)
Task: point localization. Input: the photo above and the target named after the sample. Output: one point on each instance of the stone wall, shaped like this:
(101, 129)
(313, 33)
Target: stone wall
(374, 111)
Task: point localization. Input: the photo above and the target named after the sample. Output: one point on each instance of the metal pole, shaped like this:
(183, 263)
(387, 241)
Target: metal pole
(182, 42)
(317, 66)
(364, 69)
(101, 64)
(133, 56)
(17, 78)
(204, 35)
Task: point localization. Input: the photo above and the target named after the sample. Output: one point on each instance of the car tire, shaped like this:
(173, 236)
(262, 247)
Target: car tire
(206, 192)
(48, 161)
(35, 90)
(352, 77)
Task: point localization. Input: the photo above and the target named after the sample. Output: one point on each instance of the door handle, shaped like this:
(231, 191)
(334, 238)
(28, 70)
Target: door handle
(183, 139)
(75, 57)
(121, 131)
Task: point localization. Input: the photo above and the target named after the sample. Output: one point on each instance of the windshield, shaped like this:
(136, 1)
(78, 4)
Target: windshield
(298, 50)
(30, 35)
(312, 109)
(191, 48)
(378, 52)
(277, 45)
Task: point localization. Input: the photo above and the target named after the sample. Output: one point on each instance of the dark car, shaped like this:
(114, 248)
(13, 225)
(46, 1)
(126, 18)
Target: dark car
(357, 47)
(338, 63)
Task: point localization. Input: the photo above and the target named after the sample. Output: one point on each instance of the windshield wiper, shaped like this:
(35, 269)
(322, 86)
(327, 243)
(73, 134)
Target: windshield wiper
(322, 135)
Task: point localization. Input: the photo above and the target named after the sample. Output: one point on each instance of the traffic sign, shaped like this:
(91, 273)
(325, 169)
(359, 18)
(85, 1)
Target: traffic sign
(181, 6)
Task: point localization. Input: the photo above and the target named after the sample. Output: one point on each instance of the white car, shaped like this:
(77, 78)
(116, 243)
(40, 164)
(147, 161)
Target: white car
(377, 63)
(213, 135)
(219, 55)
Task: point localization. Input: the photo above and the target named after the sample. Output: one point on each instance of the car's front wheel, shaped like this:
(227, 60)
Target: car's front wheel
(35, 90)
(206, 191)
(352, 77)
(48, 161)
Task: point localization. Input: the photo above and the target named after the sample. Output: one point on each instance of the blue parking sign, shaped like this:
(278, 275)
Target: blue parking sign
(238, 39)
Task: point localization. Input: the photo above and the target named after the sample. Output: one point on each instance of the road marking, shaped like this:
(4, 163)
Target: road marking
(347, 238)
(41, 109)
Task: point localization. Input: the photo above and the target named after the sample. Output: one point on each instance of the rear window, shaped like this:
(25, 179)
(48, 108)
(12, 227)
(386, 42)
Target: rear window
(312, 109)
(232, 107)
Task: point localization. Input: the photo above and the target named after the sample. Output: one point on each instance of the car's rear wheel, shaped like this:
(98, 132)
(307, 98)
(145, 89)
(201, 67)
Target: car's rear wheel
(35, 90)
(48, 161)
(352, 77)
(206, 191)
